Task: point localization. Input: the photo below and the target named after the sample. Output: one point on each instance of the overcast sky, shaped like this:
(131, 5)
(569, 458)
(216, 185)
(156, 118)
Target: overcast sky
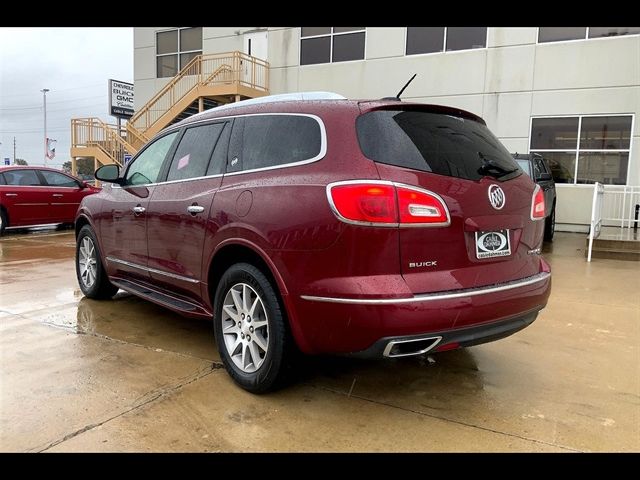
(75, 64)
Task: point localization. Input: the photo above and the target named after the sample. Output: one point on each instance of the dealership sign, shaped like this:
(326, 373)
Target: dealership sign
(120, 99)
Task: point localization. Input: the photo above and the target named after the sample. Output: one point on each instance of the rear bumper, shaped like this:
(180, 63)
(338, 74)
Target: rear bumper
(448, 340)
(365, 326)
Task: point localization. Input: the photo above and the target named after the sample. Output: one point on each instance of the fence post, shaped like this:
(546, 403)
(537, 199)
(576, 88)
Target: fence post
(592, 226)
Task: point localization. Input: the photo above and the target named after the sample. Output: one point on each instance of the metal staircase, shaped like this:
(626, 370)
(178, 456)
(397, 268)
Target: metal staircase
(205, 82)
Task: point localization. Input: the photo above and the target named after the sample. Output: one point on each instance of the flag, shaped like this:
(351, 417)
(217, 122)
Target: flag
(51, 148)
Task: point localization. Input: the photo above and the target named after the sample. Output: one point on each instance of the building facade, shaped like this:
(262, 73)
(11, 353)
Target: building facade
(570, 93)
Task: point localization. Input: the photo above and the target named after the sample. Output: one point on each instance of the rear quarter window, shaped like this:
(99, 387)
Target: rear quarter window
(433, 142)
(275, 140)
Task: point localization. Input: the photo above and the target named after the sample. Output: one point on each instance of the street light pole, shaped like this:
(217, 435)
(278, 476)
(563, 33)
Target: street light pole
(44, 99)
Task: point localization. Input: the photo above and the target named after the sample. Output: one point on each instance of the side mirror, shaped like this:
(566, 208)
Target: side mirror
(544, 177)
(109, 173)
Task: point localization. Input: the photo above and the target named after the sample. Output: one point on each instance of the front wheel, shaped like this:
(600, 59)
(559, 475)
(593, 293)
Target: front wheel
(550, 225)
(250, 329)
(3, 221)
(89, 269)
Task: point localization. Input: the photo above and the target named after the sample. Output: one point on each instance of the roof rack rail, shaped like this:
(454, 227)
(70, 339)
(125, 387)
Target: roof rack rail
(283, 97)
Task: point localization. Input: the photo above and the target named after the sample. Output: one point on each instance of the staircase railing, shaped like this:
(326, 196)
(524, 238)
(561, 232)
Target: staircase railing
(203, 70)
(93, 132)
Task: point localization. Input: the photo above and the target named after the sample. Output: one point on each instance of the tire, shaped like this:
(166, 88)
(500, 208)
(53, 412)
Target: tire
(93, 280)
(251, 366)
(550, 225)
(3, 221)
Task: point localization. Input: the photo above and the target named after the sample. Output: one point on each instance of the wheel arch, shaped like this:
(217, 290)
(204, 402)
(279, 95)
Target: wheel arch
(236, 251)
(6, 215)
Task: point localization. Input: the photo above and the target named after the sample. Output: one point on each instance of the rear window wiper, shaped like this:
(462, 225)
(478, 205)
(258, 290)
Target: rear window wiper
(489, 166)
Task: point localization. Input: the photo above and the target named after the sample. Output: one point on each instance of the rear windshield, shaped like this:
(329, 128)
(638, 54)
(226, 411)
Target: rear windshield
(434, 142)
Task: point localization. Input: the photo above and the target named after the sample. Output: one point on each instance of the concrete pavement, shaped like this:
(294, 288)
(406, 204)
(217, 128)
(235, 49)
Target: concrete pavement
(126, 375)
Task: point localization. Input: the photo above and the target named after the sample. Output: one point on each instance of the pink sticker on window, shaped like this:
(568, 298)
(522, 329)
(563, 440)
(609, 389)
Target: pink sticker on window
(184, 161)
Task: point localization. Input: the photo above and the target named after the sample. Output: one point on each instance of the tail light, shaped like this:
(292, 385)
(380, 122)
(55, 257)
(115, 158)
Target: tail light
(386, 204)
(537, 204)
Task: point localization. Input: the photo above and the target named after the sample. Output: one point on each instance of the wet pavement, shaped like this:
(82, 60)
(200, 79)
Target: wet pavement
(126, 375)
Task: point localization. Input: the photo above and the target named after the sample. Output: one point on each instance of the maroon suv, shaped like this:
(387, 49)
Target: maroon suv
(311, 222)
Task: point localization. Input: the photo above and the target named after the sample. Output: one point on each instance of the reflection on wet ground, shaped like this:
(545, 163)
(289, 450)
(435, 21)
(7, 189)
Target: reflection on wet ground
(127, 375)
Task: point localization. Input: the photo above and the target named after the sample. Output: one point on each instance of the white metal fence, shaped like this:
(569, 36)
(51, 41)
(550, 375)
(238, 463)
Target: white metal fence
(596, 216)
(613, 205)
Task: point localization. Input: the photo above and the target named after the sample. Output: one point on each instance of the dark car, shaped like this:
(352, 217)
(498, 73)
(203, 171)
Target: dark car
(35, 196)
(315, 223)
(534, 165)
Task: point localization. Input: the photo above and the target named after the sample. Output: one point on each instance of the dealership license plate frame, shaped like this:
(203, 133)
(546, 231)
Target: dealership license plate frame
(482, 241)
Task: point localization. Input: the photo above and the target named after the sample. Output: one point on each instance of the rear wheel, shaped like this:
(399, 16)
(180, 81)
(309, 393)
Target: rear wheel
(250, 329)
(89, 269)
(550, 225)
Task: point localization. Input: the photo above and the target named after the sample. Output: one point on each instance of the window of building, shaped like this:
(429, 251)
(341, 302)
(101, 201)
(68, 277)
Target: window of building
(175, 48)
(584, 149)
(194, 151)
(331, 44)
(560, 34)
(441, 39)
(596, 32)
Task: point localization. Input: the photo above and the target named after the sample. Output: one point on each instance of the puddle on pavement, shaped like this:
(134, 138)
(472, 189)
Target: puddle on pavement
(132, 320)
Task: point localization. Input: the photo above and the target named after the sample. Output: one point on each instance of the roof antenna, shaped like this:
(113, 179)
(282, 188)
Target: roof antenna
(405, 86)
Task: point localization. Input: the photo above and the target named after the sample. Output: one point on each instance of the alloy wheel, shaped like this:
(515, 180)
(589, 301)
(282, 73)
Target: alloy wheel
(88, 262)
(245, 326)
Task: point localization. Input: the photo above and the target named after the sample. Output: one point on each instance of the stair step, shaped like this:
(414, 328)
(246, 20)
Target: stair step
(614, 254)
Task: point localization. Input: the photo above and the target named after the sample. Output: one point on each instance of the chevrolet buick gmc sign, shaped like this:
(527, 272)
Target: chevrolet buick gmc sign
(120, 99)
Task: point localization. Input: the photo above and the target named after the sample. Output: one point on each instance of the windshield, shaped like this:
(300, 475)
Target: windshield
(434, 142)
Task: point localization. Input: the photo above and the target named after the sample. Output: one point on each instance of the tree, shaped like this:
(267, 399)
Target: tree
(21, 161)
(84, 166)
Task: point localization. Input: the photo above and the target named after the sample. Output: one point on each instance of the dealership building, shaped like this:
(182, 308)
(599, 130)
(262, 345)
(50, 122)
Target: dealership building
(571, 94)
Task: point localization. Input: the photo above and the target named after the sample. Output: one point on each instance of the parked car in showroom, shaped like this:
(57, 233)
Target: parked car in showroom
(38, 196)
(534, 165)
(315, 223)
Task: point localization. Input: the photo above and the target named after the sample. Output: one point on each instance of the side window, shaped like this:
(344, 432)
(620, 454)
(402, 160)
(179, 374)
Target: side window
(2, 180)
(22, 177)
(146, 167)
(219, 157)
(272, 140)
(56, 179)
(194, 151)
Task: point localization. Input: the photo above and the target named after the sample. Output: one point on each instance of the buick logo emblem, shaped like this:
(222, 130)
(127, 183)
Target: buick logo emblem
(497, 197)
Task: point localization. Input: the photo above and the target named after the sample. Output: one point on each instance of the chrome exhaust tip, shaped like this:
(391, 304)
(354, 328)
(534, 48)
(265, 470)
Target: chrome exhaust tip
(410, 347)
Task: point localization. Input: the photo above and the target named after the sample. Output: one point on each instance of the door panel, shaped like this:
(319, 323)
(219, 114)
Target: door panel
(123, 232)
(179, 209)
(176, 237)
(65, 195)
(123, 222)
(26, 200)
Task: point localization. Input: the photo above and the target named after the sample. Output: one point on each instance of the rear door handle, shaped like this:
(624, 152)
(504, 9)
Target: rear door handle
(138, 209)
(195, 209)
(57, 194)
(11, 194)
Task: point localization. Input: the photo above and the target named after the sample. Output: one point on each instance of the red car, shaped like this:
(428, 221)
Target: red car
(312, 222)
(35, 196)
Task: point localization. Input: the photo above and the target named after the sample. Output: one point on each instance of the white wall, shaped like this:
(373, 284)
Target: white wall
(506, 83)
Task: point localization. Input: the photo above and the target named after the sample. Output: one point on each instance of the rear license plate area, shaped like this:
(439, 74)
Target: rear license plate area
(491, 244)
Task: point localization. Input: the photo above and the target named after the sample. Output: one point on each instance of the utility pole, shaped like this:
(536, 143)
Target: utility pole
(44, 99)
(14, 150)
